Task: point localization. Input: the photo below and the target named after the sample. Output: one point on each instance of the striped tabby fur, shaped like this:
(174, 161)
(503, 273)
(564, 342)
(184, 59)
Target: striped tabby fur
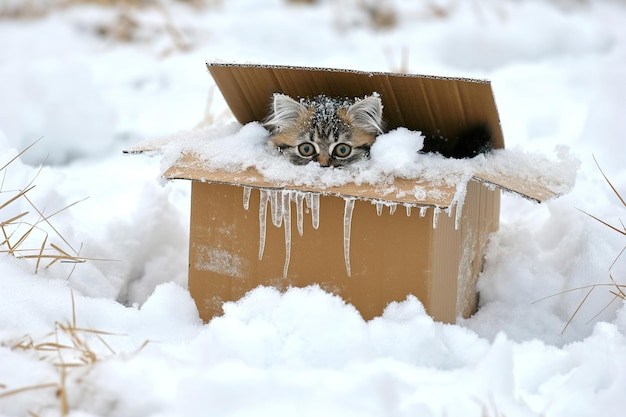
(332, 132)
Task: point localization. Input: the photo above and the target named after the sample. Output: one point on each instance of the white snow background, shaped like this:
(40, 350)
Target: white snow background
(557, 70)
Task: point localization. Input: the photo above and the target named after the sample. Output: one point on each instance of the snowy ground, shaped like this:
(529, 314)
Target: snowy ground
(558, 77)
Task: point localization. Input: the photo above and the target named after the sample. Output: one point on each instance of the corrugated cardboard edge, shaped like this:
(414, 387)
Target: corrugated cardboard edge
(515, 184)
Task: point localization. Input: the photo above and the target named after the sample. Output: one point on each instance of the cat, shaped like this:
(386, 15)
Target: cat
(335, 132)
(471, 142)
(331, 131)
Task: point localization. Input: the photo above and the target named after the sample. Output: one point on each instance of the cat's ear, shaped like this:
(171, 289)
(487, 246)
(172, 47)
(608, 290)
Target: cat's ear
(285, 112)
(367, 114)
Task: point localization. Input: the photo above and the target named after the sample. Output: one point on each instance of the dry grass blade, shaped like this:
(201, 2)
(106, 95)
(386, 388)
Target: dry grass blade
(68, 348)
(13, 219)
(577, 309)
(43, 247)
(623, 232)
(16, 197)
(610, 183)
(22, 152)
(46, 219)
(617, 290)
(18, 233)
(27, 388)
(73, 307)
(590, 288)
(615, 261)
(14, 247)
(615, 297)
(584, 287)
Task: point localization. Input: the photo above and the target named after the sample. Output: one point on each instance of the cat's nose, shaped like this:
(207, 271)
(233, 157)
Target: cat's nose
(323, 160)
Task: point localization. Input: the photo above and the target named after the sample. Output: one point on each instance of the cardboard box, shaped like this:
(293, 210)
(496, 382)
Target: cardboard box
(397, 244)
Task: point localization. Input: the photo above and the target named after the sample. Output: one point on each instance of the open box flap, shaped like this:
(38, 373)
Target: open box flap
(535, 189)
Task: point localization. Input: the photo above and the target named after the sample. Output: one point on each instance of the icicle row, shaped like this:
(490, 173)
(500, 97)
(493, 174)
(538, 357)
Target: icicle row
(280, 208)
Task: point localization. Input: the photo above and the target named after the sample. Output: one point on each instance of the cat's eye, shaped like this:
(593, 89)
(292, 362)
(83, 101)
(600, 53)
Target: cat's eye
(342, 150)
(307, 149)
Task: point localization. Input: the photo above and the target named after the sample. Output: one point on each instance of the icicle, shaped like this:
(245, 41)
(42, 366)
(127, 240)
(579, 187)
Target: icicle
(276, 204)
(286, 203)
(299, 212)
(246, 197)
(392, 208)
(436, 212)
(309, 201)
(379, 208)
(423, 211)
(347, 227)
(408, 210)
(264, 197)
(315, 210)
(457, 218)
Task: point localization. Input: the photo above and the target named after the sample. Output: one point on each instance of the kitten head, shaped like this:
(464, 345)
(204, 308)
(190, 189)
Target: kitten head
(330, 131)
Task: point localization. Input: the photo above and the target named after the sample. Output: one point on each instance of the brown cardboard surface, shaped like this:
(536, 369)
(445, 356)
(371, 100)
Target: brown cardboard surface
(513, 182)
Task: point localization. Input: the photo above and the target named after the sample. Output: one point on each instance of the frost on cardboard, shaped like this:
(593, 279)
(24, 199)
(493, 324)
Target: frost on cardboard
(371, 245)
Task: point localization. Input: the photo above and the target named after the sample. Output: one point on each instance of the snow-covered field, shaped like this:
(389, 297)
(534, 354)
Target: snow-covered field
(120, 336)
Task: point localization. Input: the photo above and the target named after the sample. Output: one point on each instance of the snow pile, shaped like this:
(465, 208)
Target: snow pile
(36, 104)
(557, 78)
(394, 155)
(495, 41)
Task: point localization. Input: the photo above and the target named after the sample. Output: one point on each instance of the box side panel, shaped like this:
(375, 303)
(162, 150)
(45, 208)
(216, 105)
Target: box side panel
(481, 218)
(459, 253)
(446, 255)
(389, 254)
(220, 250)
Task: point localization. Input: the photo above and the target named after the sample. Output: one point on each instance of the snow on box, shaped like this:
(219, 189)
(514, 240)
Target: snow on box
(356, 243)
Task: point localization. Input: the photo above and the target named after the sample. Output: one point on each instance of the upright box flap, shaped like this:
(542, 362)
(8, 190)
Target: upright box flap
(433, 105)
